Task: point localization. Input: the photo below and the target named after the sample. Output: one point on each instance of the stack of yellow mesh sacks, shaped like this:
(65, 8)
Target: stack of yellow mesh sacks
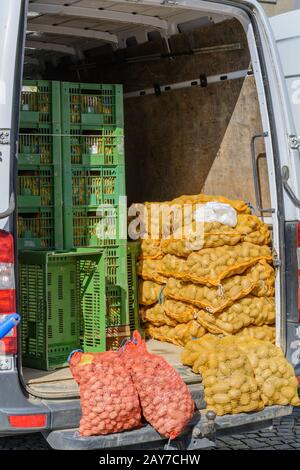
(224, 286)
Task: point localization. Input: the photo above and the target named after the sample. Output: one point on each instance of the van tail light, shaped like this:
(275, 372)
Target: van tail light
(28, 421)
(8, 345)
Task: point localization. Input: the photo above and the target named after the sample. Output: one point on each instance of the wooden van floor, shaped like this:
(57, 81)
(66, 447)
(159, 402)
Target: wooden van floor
(60, 383)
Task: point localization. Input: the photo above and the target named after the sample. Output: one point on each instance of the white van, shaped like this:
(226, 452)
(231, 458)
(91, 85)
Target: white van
(212, 104)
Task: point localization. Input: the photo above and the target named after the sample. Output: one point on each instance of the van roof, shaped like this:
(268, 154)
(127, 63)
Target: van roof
(75, 26)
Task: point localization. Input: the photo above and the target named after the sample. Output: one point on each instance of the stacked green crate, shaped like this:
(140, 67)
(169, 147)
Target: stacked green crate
(133, 250)
(39, 167)
(94, 183)
(62, 301)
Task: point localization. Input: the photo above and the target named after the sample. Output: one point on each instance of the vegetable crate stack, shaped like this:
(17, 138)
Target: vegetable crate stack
(224, 286)
(39, 167)
(94, 192)
(62, 302)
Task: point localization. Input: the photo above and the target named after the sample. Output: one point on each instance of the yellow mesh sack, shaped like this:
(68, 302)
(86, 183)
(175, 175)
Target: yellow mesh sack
(213, 299)
(149, 292)
(228, 378)
(273, 374)
(148, 270)
(264, 275)
(150, 249)
(239, 206)
(195, 347)
(179, 335)
(264, 333)
(152, 220)
(185, 241)
(252, 229)
(212, 265)
(172, 266)
(257, 280)
(156, 316)
(179, 311)
(250, 310)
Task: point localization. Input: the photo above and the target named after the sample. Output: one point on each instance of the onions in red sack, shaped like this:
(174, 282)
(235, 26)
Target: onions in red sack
(108, 397)
(166, 401)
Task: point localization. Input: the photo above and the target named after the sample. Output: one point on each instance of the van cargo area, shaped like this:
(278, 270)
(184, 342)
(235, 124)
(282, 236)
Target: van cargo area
(191, 108)
(122, 103)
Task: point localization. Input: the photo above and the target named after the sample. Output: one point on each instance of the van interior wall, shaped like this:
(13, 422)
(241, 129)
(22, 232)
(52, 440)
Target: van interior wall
(191, 140)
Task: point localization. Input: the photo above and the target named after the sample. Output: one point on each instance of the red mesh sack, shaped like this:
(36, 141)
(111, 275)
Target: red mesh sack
(108, 397)
(166, 401)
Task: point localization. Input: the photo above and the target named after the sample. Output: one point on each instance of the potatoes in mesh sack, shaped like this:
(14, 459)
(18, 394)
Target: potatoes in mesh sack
(274, 375)
(263, 275)
(213, 299)
(150, 249)
(250, 310)
(169, 312)
(147, 269)
(265, 333)
(181, 312)
(172, 266)
(212, 265)
(155, 218)
(194, 237)
(179, 335)
(156, 316)
(149, 292)
(239, 206)
(252, 229)
(195, 347)
(228, 378)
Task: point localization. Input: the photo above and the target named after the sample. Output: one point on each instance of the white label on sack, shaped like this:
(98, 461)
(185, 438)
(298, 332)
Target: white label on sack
(216, 212)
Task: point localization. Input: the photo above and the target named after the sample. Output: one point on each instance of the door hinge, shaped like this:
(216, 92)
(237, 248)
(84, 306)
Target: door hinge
(294, 142)
(4, 136)
(276, 259)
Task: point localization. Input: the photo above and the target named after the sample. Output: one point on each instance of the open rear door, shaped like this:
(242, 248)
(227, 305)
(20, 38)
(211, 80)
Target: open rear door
(12, 26)
(286, 29)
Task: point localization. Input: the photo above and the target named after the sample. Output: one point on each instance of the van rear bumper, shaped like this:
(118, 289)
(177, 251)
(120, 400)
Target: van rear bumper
(62, 420)
(197, 435)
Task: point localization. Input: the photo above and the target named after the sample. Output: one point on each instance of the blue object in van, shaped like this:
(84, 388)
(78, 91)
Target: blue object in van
(9, 322)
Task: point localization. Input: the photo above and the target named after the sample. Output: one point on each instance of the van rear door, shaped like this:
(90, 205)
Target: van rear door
(12, 27)
(286, 29)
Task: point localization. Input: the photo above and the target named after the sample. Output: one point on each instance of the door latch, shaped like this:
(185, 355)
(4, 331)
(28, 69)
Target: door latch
(4, 136)
(294, 142)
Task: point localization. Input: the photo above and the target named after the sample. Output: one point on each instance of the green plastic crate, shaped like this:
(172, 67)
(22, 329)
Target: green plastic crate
(37, 229)
(35, 186)
(40, 104)
(133, 250)
(91, 106)
(116, 284)
(116, 311)
(86, 227)
(97, 147)
(39, 147)
(86, 186)
(62, 305)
